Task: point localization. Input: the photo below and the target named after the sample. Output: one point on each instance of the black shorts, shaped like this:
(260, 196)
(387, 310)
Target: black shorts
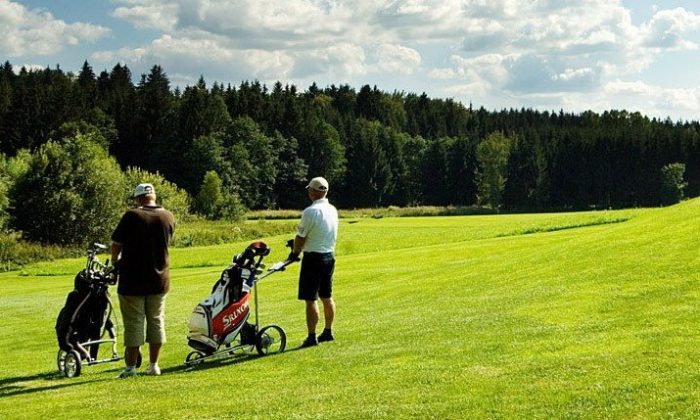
(316, 276)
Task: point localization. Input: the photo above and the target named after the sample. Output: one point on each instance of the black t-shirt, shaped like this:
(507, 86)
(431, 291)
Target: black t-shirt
(145, 234)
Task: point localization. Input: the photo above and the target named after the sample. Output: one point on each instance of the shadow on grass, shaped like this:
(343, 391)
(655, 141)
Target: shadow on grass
(16, 386)
(224, 361)
(57, 380)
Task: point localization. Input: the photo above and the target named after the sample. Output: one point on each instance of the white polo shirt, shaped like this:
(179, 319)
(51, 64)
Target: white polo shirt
(319, 225)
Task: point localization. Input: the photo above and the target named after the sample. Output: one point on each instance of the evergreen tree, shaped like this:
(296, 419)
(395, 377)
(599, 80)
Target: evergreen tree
(323, 151)
(86, 90)
(200, 114)
(205, 154)
(413, 150)
(155, 121)
(6, 76)
(461, 167)
(369, 174)
(119, 98)
(253, 160)
(24, 126)
(434, 175)
(291, 172)
(492, 154)
(376, 147)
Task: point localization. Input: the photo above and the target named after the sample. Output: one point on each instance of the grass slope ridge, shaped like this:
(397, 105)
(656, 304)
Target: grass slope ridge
(439, 317)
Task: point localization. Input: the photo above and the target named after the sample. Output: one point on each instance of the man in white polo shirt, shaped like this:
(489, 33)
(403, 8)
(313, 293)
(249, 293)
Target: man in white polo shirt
(316, 236)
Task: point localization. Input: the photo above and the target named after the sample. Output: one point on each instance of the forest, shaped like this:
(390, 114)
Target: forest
(257, 145)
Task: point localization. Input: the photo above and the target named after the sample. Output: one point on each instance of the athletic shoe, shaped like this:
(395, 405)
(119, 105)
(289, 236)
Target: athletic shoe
(128, 373)
(153, 369)
(309, 342)
(325, 336)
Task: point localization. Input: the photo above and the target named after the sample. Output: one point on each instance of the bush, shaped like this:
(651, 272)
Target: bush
(167, 194)
(4, 202)
(200, 232)
(67, 194)
(209, 198)
(672, 183)
(214, 204)
(10, 169)
(16, 253)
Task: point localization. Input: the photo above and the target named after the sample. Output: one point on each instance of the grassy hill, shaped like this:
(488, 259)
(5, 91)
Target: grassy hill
(544, 315)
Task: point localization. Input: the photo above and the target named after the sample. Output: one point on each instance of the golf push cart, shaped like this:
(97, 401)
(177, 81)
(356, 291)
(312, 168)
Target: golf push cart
(86, 317)
(219, 327)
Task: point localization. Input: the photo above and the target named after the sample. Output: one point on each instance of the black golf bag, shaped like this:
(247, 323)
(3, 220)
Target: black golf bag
(85, 315)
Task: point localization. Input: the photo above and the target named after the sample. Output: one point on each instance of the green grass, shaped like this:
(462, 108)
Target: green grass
(579, 315)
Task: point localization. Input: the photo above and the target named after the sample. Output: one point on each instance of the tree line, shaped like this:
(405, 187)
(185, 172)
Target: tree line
(254, 146)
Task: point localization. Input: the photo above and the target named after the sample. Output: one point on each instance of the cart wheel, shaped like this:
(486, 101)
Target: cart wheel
(71, 365)
(61, 359)
(271, 339)
(194, 358)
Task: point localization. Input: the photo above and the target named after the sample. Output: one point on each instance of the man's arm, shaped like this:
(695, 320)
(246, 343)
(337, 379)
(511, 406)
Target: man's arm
(298, 244)
(116, 250)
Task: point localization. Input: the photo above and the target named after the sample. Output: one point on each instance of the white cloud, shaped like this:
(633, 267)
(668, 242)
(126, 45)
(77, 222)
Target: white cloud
(36, 32)
(28, 67)
(549, 53)
(667, 27)
(442, 74)
(162, 16)
(545, 52)
(337, 62)
(189, 54)
(488, 68)
(665, 101)
(397, 59)
(574, 74)
(626, 88)
(467, 90)
(122, 55)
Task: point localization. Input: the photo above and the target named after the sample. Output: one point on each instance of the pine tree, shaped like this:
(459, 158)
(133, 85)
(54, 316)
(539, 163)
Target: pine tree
(492, 154)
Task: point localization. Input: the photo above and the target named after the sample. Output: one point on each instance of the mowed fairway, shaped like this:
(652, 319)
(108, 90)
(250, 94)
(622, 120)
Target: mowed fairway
(583, 315)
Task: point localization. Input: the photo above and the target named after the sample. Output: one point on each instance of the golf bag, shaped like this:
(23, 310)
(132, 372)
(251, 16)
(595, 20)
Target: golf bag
(85, 315)
(221, 317)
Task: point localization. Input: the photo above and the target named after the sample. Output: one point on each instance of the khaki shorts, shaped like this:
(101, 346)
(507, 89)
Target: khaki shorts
(140, 310)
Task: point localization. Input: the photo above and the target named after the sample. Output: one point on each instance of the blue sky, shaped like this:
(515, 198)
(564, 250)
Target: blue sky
(545, 54)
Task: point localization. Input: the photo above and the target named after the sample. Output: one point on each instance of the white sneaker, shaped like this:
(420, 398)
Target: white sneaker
(153, 369)
(128, 372)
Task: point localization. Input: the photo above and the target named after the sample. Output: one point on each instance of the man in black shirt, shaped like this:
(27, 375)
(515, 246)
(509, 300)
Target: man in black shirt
(140, 251)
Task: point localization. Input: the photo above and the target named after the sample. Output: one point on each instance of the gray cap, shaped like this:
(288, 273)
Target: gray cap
(143, 189)
(319, 184)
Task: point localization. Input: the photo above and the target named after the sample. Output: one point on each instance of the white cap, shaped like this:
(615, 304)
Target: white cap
(319, 184)
(143, 189)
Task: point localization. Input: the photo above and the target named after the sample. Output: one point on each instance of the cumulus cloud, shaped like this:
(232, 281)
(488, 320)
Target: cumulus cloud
(667, 27)
(442, 73)
(161, 16)
(548, 52)
(38, 32)
(395, 59)
(187, 55)
(664, 100)
(544, 52)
